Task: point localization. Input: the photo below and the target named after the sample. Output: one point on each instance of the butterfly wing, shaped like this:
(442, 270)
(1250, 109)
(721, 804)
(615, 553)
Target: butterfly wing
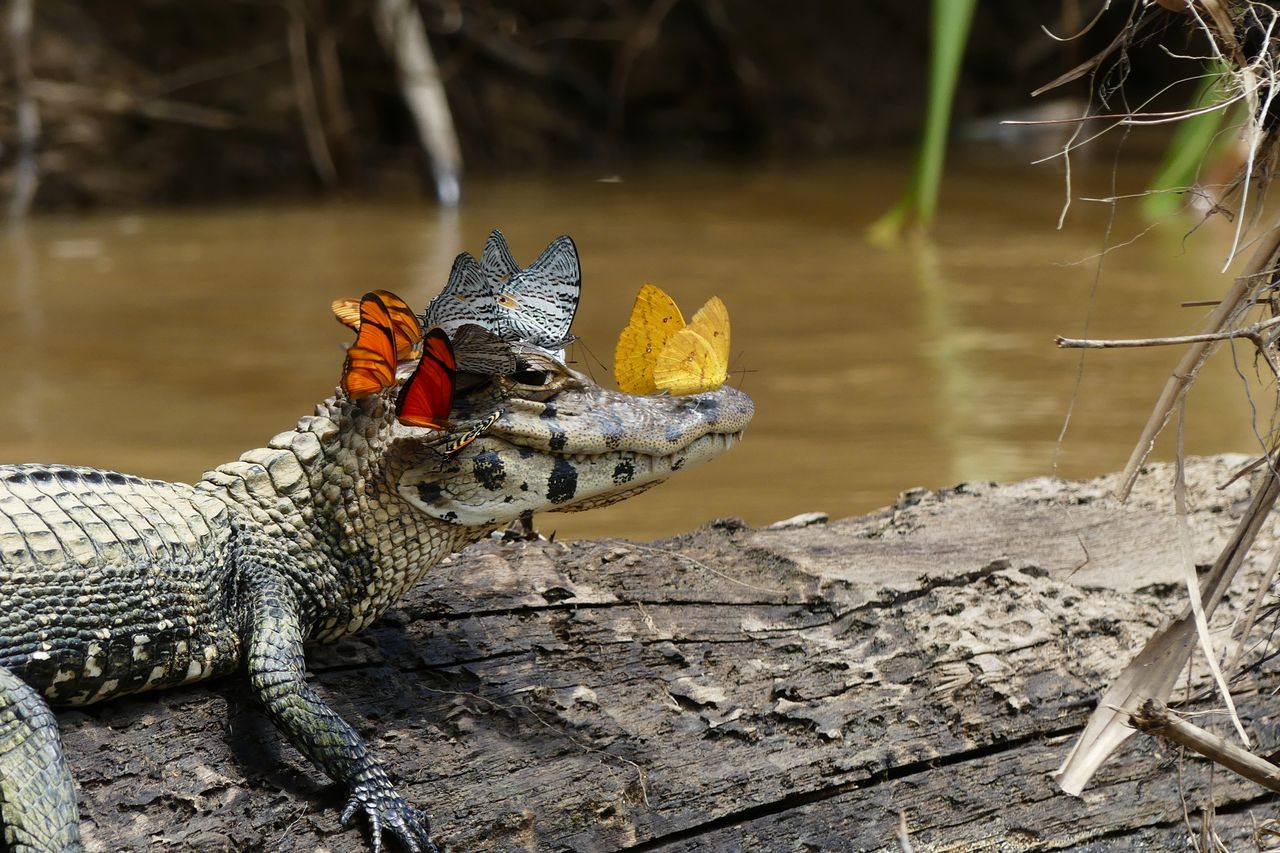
(688, 364)
(465, 298)
(712, 322)
(427, 397)
(457, 442)
(347, 310)
(479, 350)
(538, 304)
(496, 263)
(655, 318)
(365, 373)
(404, 323)
(371, 362)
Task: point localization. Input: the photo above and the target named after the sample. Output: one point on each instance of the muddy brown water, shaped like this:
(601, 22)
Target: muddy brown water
(163, 343)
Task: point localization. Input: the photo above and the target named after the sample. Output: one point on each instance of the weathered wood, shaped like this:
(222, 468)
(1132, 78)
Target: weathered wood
(727, 689)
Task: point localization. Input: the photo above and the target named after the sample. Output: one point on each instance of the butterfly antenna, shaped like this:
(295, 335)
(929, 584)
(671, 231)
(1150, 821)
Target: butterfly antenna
(590, 357)
(741, 372)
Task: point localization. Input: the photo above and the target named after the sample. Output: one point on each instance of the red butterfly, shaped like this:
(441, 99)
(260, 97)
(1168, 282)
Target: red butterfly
(427, 396)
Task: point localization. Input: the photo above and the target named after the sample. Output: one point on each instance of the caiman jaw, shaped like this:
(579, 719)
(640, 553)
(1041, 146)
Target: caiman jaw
(581, 449)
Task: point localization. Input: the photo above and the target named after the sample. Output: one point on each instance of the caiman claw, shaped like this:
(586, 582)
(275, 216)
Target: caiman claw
(388, 810)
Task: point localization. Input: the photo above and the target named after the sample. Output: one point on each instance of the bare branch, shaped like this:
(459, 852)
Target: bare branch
(305, 90)
(1261, 266)
(1251, 332)
(1154, 718)
(28, 115)
(399, 25)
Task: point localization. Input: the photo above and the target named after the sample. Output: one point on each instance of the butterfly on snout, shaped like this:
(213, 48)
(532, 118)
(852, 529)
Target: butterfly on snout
(658, 351)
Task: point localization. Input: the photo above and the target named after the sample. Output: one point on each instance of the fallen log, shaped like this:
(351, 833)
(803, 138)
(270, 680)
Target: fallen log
(815, 686)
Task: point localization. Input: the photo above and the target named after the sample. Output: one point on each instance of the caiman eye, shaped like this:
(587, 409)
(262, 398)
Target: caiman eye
(471, 383)
(531, 378)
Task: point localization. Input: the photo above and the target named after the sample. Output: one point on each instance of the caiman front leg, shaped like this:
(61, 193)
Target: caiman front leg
(37, 796)
(273, 639)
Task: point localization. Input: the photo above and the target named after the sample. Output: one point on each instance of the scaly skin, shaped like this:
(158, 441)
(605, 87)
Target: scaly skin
(112, 584)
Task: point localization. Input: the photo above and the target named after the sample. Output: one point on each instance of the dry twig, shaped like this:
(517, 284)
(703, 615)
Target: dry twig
(1251, 332)
(121, 102)
(1189, 575)
(1153, 718)
(1153, 672)
(1259, 272)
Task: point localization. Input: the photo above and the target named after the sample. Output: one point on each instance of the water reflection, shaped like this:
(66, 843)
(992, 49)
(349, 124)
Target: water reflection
(27, 329)
(165, 343)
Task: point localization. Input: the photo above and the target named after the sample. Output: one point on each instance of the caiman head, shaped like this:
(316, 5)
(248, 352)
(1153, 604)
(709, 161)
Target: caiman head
(562, 443)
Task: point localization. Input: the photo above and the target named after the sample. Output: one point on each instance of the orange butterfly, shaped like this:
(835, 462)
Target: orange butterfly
(427, 396)
(404, 323)
(371, 361)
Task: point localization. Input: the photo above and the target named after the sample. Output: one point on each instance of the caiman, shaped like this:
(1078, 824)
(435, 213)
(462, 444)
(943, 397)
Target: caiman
(112, 584)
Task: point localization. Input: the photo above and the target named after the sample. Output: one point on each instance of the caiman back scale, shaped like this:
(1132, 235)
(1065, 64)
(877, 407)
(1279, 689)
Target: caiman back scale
(111, 584)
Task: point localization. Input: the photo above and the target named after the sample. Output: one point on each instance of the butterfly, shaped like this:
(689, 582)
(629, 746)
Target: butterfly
(371, 361)
(427, 396)
(658, 352)
(480, 351)
(454, 443)
(404, 323)
(535, 304)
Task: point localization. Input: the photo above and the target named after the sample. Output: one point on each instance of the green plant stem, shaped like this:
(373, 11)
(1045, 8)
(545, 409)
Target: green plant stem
(1192, 143)
(949, 34)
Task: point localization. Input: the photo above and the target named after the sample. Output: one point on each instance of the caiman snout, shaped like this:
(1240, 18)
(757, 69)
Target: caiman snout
(580, 449)
(597, 421)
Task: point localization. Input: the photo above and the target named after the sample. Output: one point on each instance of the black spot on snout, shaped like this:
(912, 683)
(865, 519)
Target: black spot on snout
(678, 464)
(430, 493)
(558, 437)
(674, 433)
(489, 470)
(548, 411)
(613, 432)
(562, 485)
(623, 472)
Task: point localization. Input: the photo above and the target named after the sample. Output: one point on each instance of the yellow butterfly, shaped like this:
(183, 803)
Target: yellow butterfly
(657, 351)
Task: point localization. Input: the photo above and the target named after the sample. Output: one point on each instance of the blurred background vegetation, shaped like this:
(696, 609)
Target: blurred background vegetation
(183, 101)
